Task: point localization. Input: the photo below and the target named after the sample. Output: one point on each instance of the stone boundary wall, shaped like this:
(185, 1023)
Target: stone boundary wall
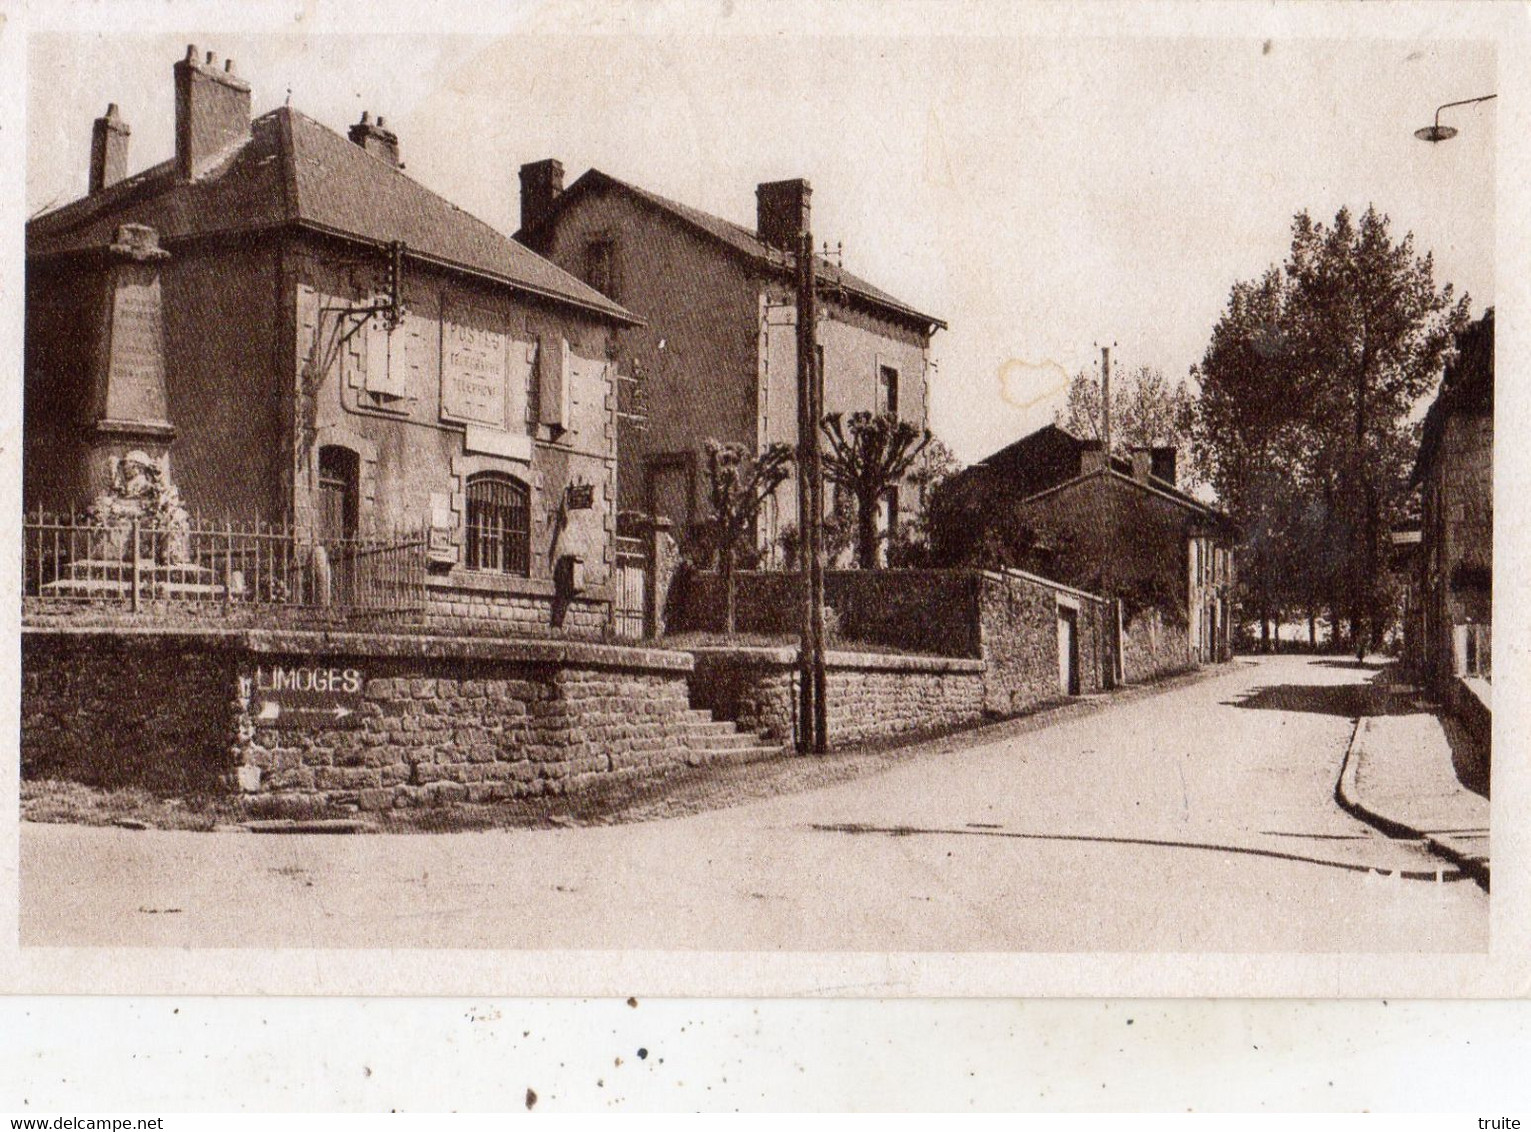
(1153, 648)
(1007, 619)
(870, 695)
(922, 611)
(433, 720)
(448, 611)
(1019, 630)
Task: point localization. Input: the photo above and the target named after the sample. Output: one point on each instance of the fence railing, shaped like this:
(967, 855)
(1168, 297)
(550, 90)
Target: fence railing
(128, 561)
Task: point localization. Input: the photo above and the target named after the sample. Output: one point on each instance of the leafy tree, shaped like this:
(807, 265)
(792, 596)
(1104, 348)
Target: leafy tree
(1147, 409)
(738, 486)
(911, 546)
(1302, 424)
(866, 456)
(1370, 331)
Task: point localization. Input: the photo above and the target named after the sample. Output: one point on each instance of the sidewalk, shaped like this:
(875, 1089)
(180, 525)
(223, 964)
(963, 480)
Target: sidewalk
(1398, 776)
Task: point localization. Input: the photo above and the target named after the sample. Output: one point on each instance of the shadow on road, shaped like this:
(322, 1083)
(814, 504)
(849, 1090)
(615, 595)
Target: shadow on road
(1444, 875)
(1349, 700)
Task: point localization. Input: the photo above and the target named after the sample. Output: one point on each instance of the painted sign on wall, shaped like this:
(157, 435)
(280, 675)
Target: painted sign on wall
(306, 694)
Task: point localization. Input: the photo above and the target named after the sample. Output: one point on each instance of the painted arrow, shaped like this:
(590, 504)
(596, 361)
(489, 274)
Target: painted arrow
(271, 709)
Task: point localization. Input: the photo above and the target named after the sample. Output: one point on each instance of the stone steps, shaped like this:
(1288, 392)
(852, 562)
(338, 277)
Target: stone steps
(712, 741)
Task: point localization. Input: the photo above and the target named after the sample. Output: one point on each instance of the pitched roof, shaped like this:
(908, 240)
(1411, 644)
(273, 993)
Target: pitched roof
(294, 171)
(1467, 386)
(1048, 459)
(734, 237)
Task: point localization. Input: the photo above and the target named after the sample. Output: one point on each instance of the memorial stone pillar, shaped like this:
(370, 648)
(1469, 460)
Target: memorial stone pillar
(130, 409)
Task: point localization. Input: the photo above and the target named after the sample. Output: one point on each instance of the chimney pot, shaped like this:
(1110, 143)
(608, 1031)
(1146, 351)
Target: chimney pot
(541, 186)
(212, 114)
(376, 139)
(228, 65)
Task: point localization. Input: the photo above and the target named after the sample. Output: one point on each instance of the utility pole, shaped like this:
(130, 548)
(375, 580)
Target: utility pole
(812, 710)
(1105, 401)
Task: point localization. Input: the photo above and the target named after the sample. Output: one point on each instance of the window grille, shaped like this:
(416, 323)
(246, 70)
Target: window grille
(499, 525)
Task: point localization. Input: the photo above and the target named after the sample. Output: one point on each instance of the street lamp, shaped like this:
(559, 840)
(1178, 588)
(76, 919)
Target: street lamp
(1438, 132)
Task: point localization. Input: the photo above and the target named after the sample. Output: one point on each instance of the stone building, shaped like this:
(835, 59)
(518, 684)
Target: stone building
(1454, 473)
(297, 332)
(718, 351)
(1050, 502)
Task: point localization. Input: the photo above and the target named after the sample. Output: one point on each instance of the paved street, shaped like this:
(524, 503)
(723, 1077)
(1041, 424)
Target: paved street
(1199, 819)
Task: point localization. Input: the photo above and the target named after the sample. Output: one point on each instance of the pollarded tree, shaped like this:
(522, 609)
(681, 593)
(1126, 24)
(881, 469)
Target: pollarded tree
(738, 486)
(867, 455)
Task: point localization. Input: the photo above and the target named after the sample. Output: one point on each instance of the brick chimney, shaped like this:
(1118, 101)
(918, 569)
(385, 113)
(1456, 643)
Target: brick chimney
(541, 186)
(376, 138)
(108, 150)
(1164, 465)
(212, 113)
(783, 212)
(1142, 464)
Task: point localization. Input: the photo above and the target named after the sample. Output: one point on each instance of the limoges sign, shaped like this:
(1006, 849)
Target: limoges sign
(307, 695)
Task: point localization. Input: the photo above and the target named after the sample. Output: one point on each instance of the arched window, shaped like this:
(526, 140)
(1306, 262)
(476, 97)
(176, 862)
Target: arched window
(338, 475)
(499, 536)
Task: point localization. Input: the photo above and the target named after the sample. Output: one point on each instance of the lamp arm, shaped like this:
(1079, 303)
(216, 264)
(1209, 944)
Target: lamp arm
(1463, 102)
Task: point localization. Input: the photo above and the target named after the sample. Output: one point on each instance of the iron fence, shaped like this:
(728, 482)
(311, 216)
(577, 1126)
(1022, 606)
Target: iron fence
(71, 558)
(630, 603)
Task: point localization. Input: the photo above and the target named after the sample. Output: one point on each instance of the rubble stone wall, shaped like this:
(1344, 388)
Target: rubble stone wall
(1153, 647)
(437, 719)
(869, 695)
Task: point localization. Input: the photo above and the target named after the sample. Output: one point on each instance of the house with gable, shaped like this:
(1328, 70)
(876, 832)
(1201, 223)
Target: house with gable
(717, 354)
(293, 331)
(1120, 528)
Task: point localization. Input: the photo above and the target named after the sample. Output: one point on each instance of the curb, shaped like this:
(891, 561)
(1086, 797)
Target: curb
(1348, 798)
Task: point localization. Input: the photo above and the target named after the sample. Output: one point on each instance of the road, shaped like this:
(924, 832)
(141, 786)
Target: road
(1199, 819)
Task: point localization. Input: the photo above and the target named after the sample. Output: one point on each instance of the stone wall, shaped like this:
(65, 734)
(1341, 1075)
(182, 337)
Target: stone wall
(127, 708)
(1153, 647)
(447, 611)
(459, 606)
(925, 611)
(434, 720)
(1008, 620)
(1019, 624)
(869, 695)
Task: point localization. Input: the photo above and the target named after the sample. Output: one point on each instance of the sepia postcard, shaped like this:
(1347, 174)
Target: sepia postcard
(882, 499)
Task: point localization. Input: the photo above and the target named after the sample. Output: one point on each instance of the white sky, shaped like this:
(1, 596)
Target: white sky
(1041, 193)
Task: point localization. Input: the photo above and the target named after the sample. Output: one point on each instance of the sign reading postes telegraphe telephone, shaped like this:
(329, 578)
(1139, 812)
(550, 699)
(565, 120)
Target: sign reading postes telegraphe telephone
(474, 369)
(307, 695)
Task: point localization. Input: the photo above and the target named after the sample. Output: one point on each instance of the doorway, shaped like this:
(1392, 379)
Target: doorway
(1068, 651)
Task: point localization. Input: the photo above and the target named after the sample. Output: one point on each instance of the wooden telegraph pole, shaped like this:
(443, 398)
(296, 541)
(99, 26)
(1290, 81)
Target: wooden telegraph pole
(812, 710)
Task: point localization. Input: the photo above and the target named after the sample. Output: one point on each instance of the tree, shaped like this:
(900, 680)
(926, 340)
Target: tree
(1147, 409)
(1245, 427)
(1370, 332)
(933, 467)
(1302, 424)
(738, 486)
(866, 456)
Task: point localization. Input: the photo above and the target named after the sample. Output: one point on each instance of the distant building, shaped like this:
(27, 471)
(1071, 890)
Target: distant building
(718, 351)
(227, 312)
(1050, 503)
(1454, 473)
